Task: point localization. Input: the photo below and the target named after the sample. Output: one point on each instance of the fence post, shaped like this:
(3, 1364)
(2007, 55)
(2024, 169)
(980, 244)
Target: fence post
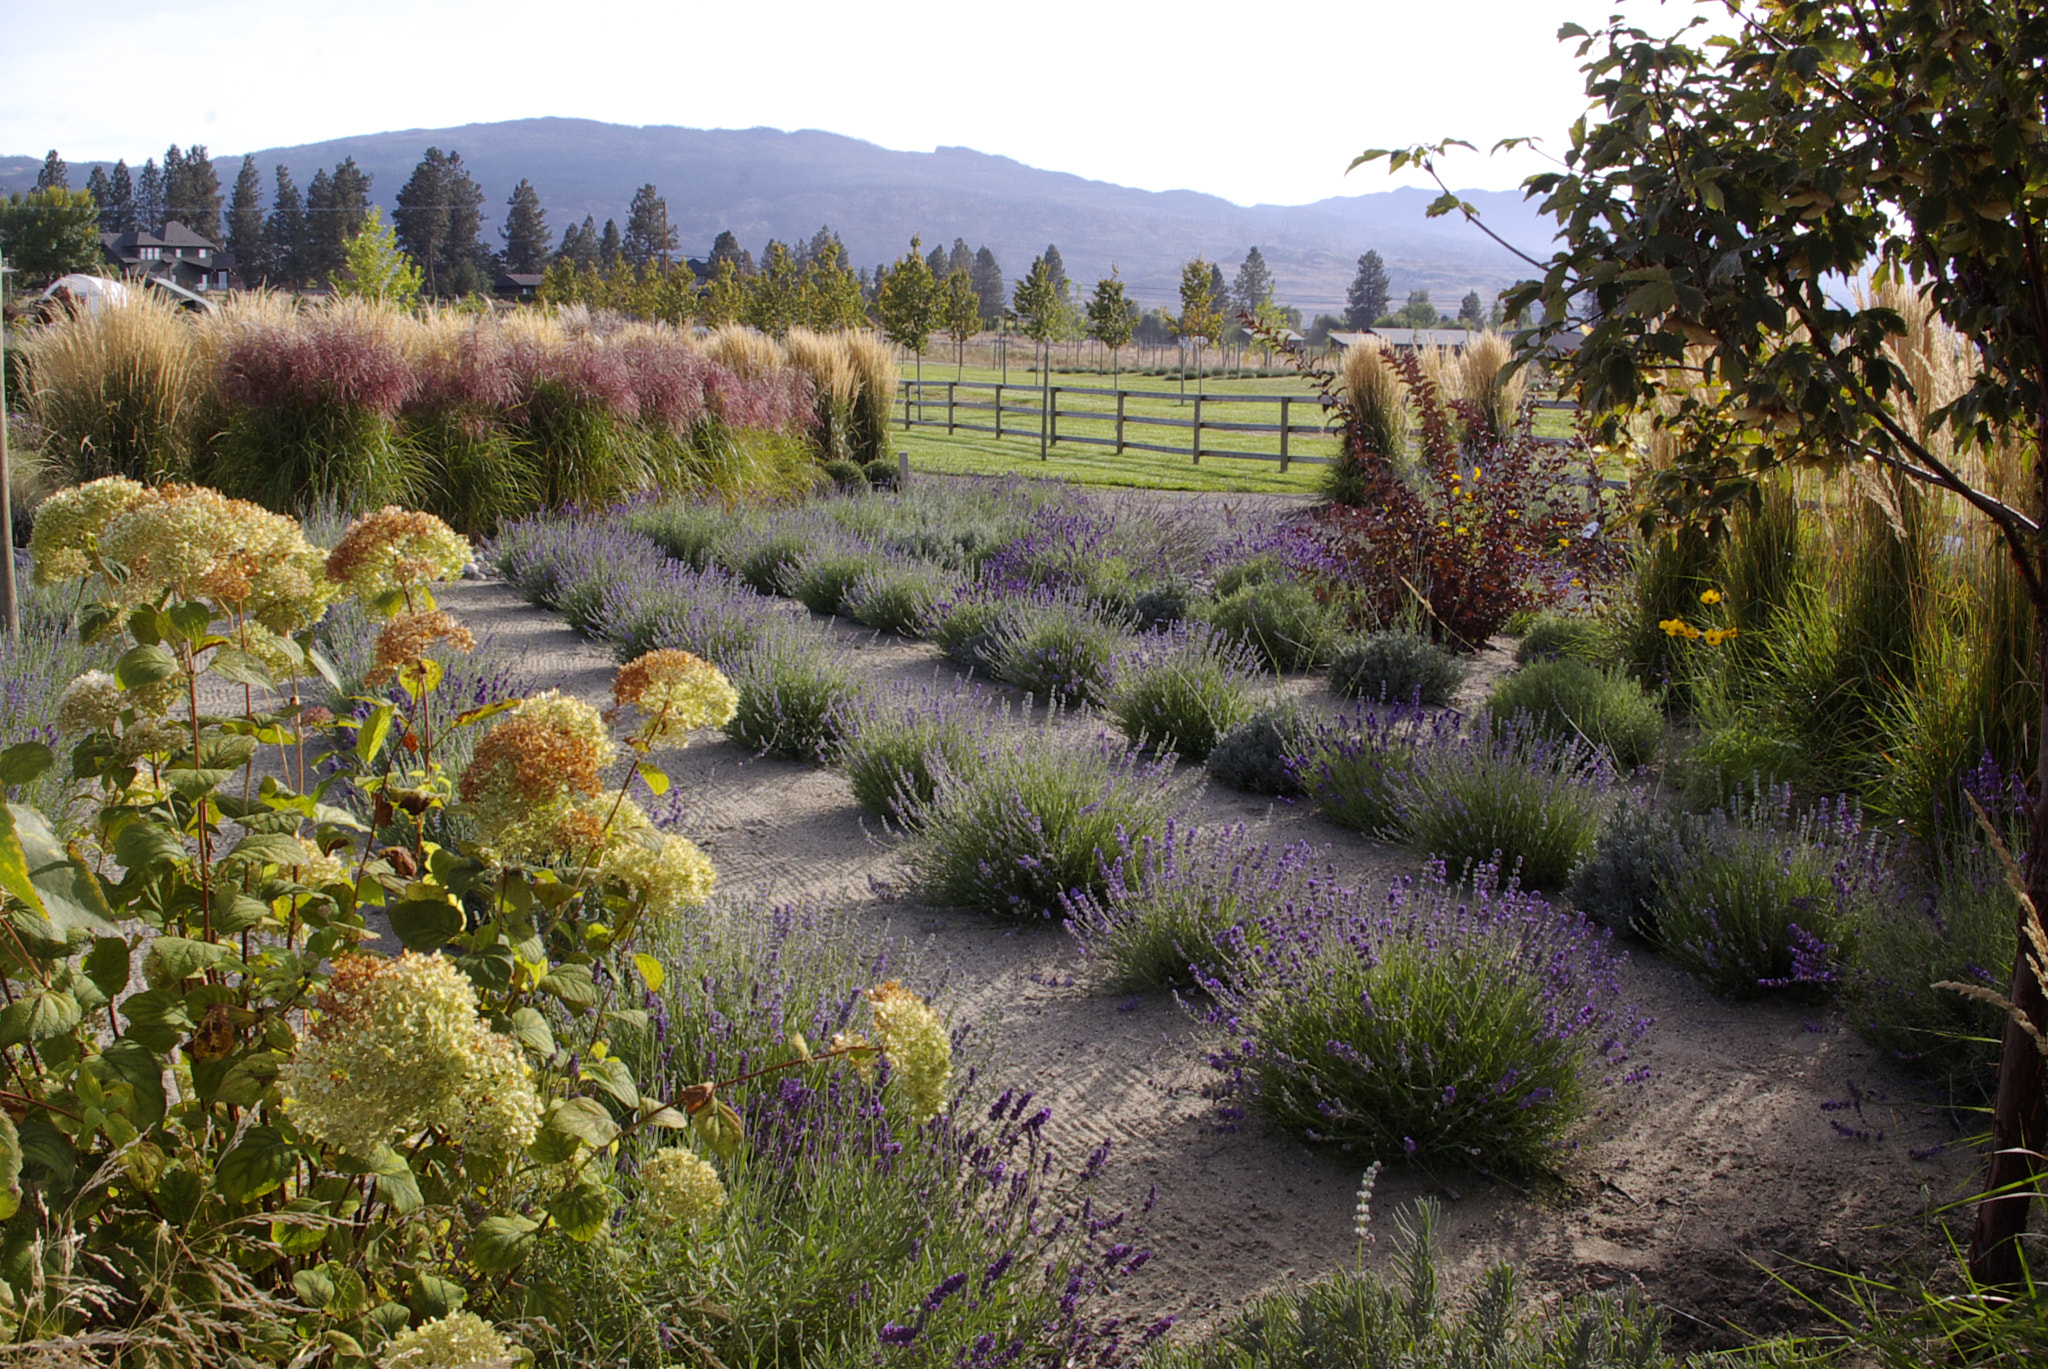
(1198, 429)
(1119, 422)
(1052, 415)
(999, 408)
(1284, 402)
(907, 387)
(949, 408)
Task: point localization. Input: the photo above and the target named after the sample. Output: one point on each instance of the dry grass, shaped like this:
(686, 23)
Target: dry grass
(117, 391)
(743, 351)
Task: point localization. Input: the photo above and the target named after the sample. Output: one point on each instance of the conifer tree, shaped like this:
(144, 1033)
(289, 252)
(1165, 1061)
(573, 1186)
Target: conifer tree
(149, 198)
(609, 245)
(988, 285)
(525, 231)
(1472, 311)
(579, 244)
(336, 207)
(1055, 271)
(650, 237)
(101, 188)
(284, 234)
(961, 258)
(1253, 288)
(1366, 301)
(724, 248)
(117, 211)
(54, 175)
(245, 220)
(192, 191)
(936, 263)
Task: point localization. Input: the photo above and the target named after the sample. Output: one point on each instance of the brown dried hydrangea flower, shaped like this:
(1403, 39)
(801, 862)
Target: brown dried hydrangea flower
(548, 751)
(676, 692)
(394, 549)
(406, 638)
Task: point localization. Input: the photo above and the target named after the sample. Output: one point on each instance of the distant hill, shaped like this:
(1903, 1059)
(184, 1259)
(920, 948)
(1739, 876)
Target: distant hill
(764, 183)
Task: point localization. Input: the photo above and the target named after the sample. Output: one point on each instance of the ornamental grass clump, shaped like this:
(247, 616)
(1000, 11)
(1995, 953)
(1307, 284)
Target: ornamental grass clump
(794, 687)
(1180, 690)
(118, 390)
(1282, 620)
(1355, 768)
(894, 747)
(1259, 755)
(1396, 668)
(1501, 792)
(1186, 907)
(1765, 898)
(1056, 647)
(1032, 819)
(1573, 636)
(1566, 698)
(1356, 1023)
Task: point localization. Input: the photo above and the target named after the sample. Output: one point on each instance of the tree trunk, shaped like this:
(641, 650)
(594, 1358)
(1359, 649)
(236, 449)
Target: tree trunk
(2019, 1118)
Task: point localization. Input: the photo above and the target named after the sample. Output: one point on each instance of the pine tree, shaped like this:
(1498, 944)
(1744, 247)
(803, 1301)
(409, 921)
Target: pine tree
(525, 231)
(961, 258)
(988, 285)
(610, 245)
(54, 175)
(1253, 288)
(192, 192)
(174, 176)
(823, 243)
(579, 244)
(1055, 271)
(936, 264)
(1472, 311)
(245, 220)
(650, 237)
(467, 264)
(1366, 301)
(101, 188)
(336, 207)
(284, 234)
(724, 248)
(420, 221)
(149, 198)
(117, 211)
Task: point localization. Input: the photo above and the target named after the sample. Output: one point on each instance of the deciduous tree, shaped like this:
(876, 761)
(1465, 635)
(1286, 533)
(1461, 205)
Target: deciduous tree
(1112, 318)
(375, 267)
(910, 303)
(1200, 321)
(961, 315)
(50, 233)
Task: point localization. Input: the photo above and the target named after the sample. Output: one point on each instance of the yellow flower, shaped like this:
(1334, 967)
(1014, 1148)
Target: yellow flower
(681, 1185)
(914, 1042)
(1712, 596)
(460, 1340)
(1717, 635)
(1672, 626)
(676, 692)
(396, 548)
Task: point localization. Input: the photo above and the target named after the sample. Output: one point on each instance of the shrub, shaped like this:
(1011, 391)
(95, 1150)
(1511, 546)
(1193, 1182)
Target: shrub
(1760, 899)
(695, 534)
(1258, 754)
(1359, 1025)
(1357, 1318)
(710, 615)
(1396, 667)
(1566, 698)
(1055, 647)
(767, 558)
(896, 596)
(1258, 568)
(894, 749)
(1619, 883)
(1551, 635)
(880, 475)
(1354, 769)
(1163, 605)
(1187, 906)
(794, 688)
(960, 626)
(1032, 819)
(821, 583)
(1284, 622)
(846, 477)
(1181, 690)
(1503, 793)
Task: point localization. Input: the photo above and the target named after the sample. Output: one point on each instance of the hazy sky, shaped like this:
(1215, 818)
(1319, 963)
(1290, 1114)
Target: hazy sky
(1254, 102)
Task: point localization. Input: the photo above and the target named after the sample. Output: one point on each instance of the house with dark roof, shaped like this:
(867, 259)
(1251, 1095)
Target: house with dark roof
(177, 255)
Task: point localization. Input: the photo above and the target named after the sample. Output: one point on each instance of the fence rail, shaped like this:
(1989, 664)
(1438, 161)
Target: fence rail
(1043, 410)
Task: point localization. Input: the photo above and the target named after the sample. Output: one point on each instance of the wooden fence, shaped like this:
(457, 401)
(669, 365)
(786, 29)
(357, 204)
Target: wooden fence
(975, 406)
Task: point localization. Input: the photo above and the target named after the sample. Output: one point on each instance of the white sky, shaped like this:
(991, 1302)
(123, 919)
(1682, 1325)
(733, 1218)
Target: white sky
(1253, 102)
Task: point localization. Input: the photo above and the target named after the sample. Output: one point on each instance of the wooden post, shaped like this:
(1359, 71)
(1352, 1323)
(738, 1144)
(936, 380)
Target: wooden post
(1284, 402)
(1198, 429)
(949, 408)
(1119, 422)
(907, 387)
(10, 612)
(1052, 415)
(999, 408)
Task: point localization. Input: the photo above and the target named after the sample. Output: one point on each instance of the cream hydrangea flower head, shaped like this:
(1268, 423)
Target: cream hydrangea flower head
(681, 1185)
(395, 549)
(460, 1340)
(666, 872)
(915, 1043)
(530, 767)
(90, 703)
(408, 637)
(675, 692)
(70, 521)
(397, 1047)
(321, 868)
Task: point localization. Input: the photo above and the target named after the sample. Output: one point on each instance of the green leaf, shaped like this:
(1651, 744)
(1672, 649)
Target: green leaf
(582, 1209)
(269, 848)
(261, 1161)
(314, 1286)
(652, 973)
(144, 665)
(248, 1079)
(106, 964)
(179, 1195)
(612, 1076)
(142, 624)
(572, 985)
(585, 1119)
(324, 667)
(389, 1319)
(39, 1015)
(172, 960)
(531, 1030)
(501, 1243)
(156, 1019)
(425, 924)
(398, 1185)
(374, 732)
(655, 779)
(431, 1298)
(48, 1158)
(71, 893)
(301, 1237)
(242, 668)
(187, 621)
(129, 1061)
(224, 751)
(10, 1167)
(25, 762)
(144, 845)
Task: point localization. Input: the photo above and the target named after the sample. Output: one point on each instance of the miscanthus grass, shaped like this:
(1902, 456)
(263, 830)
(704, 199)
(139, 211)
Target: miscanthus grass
(1355, 1022)
(1033, 818)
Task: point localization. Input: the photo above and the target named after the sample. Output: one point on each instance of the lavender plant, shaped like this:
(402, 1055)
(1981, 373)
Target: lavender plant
(706, 613)
(1355, 768)
(1394, 668)
(1762, 897)
(895, 747)
(794, 688)
(1500, 793)
(1033, 819)
(1357, 1024)
(1181, 689)
(1055, 646)
(1620, 883)
(694, 533)
(1186, 907)
(822, 584)
(1259, 755)
(1282, 620)
(960, 625)
(898, 597)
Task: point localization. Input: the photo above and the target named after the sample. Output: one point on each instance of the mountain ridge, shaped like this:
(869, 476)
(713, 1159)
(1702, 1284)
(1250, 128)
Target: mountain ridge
(764, 182)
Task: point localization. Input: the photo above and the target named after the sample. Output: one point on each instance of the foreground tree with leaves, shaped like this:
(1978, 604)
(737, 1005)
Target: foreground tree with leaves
(1711, 211)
